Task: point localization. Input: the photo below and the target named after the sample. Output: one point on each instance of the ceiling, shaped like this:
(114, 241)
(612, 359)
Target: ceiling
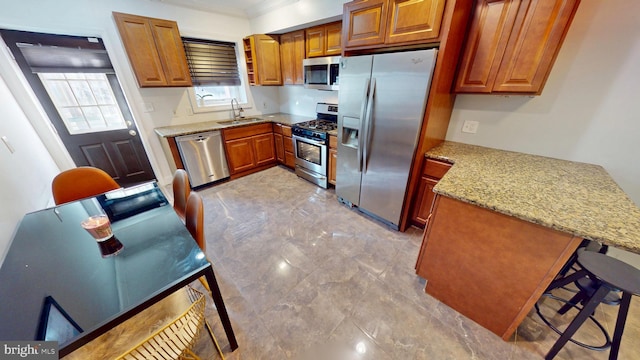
(243, 8)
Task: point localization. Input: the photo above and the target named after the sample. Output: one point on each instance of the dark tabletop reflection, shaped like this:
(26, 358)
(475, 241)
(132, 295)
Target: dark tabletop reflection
(52, 255)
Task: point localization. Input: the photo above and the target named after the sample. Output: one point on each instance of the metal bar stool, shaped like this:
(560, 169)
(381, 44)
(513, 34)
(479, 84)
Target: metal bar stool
(608, 274)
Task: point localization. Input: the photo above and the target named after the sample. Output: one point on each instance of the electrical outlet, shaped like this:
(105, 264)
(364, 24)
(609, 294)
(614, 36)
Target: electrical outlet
(470, 127)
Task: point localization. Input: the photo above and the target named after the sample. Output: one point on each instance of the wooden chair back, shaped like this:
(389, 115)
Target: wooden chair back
(194, 219)
(181, 191)
(81, 182)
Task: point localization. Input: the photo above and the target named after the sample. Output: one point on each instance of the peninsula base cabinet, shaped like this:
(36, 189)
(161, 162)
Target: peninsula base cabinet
(249, 149)
(488, 266)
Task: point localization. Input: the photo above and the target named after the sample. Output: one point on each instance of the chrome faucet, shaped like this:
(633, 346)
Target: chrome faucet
(240, 110)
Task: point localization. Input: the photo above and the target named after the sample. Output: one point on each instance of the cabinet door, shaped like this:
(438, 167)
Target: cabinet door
(333, 42)
(486, 42)
(364, 23)
(171, 52)
(277, 138)
(532, 49)
(290, 160)
(292, 52)
(264, 149)
(414, 20)
(286, 59)
(240, 154)
(422, 206)
(298, 56)
(137, 37)
(333, 161)
(315, 41)
(268, 57)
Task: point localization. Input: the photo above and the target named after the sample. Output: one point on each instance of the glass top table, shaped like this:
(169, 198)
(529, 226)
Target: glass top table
(54, 282)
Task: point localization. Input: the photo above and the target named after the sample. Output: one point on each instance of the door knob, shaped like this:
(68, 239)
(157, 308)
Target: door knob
(132, 132)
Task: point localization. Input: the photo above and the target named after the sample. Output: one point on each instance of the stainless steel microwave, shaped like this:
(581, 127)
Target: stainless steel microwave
(321, 73)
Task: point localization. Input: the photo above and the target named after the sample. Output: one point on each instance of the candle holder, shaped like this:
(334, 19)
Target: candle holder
(99, 227)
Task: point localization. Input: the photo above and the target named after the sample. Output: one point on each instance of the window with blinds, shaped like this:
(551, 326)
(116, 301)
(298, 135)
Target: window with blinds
(212, 63)
(215, 74)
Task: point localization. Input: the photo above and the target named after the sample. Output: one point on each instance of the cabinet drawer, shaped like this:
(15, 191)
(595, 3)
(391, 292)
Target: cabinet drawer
(333, 141)
(277, 129)
(246, 131)
(288, 144)
(286, 130)
(435, 169)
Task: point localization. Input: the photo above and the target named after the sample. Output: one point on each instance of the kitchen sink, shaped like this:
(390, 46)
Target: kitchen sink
(239, 121)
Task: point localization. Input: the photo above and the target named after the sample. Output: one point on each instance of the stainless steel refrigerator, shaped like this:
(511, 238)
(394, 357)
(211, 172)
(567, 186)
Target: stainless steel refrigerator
(381, 104)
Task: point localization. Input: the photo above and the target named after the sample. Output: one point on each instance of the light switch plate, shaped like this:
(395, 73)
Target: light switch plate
(148, 107)
(470, 127)
(6, 142)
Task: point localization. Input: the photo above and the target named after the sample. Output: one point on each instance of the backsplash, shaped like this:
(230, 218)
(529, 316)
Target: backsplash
(295, 99)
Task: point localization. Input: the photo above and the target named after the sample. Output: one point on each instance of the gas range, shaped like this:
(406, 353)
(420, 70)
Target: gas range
(327, 117)
(310, 140)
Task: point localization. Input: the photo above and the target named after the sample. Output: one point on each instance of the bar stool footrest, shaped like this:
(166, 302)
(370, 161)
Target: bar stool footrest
(603, 347)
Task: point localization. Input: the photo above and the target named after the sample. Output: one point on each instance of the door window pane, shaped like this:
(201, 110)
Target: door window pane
(85, 102)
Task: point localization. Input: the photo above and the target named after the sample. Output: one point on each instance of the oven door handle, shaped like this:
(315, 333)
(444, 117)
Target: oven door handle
(363, 114)
(307, 140)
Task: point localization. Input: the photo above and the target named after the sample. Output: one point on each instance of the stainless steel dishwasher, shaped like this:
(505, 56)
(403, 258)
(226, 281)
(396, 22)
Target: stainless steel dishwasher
(203, 157)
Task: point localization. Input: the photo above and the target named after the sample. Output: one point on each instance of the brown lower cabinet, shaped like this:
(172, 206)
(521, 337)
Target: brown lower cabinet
(249, 148)
(284, 145)
(472, 256)
(333, 158)
(432, 172)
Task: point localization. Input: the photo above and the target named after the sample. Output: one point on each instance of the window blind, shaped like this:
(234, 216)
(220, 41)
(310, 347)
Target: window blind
(60, 59)
(212, 62)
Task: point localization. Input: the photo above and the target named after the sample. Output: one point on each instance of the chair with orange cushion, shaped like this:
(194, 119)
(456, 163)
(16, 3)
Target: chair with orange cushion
(81, 182)
(181, 191)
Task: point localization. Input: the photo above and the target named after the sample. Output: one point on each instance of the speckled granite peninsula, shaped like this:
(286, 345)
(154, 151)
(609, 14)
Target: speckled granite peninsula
(576, 198)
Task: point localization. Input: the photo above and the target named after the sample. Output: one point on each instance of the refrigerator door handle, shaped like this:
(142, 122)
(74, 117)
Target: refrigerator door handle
(363, 114)
(369, 123)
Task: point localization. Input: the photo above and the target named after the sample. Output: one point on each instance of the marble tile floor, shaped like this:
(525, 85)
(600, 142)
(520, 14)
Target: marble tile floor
(305, 277)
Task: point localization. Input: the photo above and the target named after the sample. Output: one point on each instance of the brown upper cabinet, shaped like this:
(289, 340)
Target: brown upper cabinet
(512, 45)
(381, 23)
(292, 51)
(324, 40)
(262, 54)
(155, 50)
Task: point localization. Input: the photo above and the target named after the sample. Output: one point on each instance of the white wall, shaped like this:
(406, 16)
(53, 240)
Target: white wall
(589, 110)
(94, 18)
(295, 99)
(25, 173)
(39, 153)
(296, 14)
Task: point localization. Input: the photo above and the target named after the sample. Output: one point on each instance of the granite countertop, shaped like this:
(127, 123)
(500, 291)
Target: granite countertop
(572, 197)
(194, 128)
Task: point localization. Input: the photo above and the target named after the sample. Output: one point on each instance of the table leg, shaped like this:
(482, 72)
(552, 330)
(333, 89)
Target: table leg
(222, 310)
